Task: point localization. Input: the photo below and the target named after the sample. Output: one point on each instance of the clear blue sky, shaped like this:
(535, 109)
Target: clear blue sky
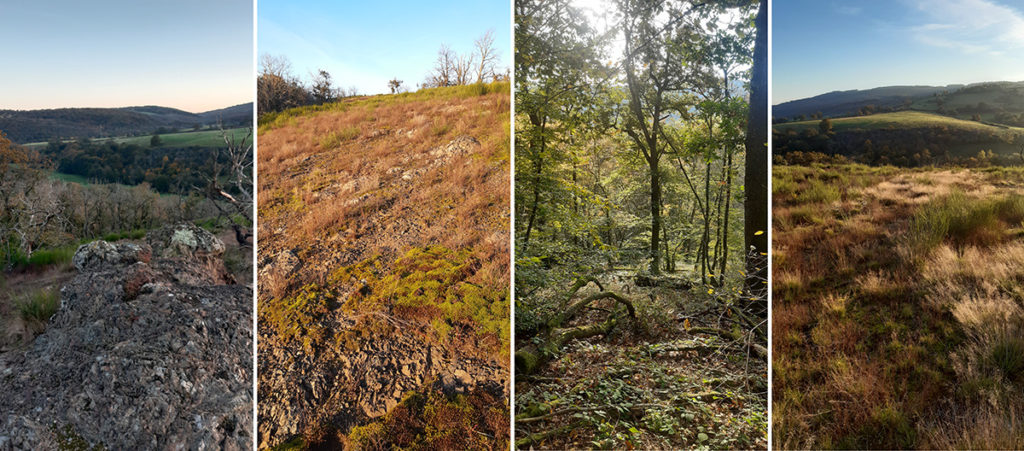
(365, 44)
(196, 55)
(833, 45)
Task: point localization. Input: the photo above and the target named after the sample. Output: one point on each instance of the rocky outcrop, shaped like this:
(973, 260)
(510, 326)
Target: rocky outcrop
(144, 353)
(347, 386)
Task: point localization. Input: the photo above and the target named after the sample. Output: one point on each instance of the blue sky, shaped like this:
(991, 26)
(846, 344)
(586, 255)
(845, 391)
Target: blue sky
(195, 55)
(365, 44)
(833, 45)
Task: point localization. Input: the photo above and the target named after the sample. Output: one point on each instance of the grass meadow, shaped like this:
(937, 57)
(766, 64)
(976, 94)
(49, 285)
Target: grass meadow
(898, 307)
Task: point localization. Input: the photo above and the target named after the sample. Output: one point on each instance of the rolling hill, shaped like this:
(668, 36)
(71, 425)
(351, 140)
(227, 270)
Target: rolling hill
(998, 102)
(65, 123)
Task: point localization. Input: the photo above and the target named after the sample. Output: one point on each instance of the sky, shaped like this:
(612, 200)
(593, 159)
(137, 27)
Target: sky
(365, 44)
(820, 46)
(194, 55)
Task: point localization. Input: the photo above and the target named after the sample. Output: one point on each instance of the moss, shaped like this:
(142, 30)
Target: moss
(433, 285)
(68, 439)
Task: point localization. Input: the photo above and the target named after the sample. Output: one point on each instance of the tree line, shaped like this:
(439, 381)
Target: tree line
(40, 212)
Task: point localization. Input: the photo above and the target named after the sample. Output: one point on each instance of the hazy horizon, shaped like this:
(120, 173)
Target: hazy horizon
(191, 55)
(824, 46)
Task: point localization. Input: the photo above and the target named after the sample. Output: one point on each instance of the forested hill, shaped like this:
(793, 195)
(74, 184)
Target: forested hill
(65, 123)
(1001, 102)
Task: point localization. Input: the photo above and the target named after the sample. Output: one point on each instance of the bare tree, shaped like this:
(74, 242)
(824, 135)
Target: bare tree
(488, 56)
(444, 68)
(229, 184)
(277, 87)
(463, 69)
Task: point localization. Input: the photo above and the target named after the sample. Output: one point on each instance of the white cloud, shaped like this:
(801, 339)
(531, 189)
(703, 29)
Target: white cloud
(970, 26)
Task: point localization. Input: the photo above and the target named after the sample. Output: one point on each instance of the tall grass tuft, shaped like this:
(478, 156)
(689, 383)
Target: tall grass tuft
(964, 220)
(39, 305)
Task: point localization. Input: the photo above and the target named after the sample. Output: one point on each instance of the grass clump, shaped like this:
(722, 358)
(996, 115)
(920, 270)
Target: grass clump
(334, 139)
(58, 256)
(964, 221)
(1007, 355)
(39, 305)
(818, 191)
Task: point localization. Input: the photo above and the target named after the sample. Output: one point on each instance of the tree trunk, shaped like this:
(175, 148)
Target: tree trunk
(756, 177)
(655, 216)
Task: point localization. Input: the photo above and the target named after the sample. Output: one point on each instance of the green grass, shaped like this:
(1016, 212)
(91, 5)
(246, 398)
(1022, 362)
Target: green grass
(39, 305)
(335, 138)
(137, 234)
(897, 120)
(962, 220)
(46, 257)
(204, 138)
(271, 121)
(1007, 355)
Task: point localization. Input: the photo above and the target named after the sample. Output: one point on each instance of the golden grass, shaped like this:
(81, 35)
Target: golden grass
(363, 179)
(878, 344)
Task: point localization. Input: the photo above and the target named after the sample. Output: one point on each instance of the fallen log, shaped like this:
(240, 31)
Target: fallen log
(554, 337)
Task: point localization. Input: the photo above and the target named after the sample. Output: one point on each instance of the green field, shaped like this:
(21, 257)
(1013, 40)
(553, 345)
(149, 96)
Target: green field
(204, 138)
(897, 120)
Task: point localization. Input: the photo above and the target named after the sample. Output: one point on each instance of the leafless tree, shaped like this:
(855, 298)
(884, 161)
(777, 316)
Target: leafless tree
(229, 184)
(488, 56)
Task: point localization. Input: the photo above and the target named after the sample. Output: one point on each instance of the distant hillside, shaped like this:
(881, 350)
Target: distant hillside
(64, 123)
(845, 103)
(998, 102)
(904, 138)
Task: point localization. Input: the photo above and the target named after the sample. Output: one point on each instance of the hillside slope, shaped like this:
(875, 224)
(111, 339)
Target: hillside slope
(904, 138)
(384, 267)
(1000, 102)
(42, 125)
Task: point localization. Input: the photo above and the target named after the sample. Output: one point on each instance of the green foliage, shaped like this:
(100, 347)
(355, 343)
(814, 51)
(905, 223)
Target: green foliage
(294, 444)
(432, 283)
(39, 305)
(129, 234)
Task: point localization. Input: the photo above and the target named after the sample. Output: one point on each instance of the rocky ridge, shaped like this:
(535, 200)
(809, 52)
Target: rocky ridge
(150, 349)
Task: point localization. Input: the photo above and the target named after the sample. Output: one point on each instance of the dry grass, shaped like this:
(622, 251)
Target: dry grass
(366, 179)
(881, 343)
